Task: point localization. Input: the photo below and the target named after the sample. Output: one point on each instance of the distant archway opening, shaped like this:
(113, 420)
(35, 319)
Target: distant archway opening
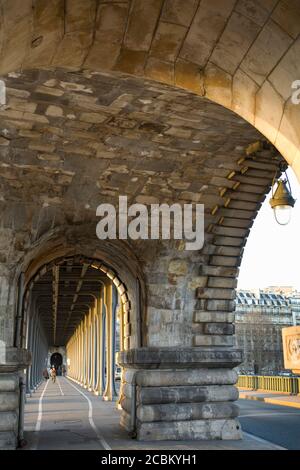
(56, 360)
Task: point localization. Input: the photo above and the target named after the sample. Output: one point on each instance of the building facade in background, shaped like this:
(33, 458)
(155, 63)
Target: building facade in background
(260, 316)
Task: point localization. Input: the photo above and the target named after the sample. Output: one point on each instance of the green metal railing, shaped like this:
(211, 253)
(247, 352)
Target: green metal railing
(270, 383)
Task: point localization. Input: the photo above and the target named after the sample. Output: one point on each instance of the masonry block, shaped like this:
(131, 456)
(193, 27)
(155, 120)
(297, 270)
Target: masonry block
(171, 392)
(141, 24)
(213, 340)
(166, 377)
(190, 430)
(186, 394)
(223, 282)
(8, 421)
(205, 316)
(226, 305)
(224, 261)
(215, 293)
(218, 329)
(8, 440)
(229, 241)
(8, 401)
(217, 271)
(10, 370)
(185, 412)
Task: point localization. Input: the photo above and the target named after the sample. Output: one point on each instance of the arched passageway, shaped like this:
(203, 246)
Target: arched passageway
(79, 305)
(56, 360)
(89, 126)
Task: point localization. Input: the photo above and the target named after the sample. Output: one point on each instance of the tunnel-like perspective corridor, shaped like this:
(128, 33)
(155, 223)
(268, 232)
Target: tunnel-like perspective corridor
(74, 323)
(76, 308)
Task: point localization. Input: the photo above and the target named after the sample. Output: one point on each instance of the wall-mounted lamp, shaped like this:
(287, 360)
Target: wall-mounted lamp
(282, 200)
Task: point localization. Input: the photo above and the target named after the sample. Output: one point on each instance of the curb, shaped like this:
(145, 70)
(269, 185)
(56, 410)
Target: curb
(273, 401)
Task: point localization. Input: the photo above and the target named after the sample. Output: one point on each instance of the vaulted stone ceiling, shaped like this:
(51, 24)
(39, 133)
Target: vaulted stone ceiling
(63, 296)
(70, 141)
(242, 54)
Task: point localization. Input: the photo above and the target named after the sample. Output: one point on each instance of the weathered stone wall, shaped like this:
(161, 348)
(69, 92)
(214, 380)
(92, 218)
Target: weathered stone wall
(8, 296)
(11, 376)
(180, 394)
(242, 54)
(9, 413)
(71, 141)
(74, 138)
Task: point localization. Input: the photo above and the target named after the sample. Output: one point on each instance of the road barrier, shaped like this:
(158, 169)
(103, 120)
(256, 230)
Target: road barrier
(270, 383)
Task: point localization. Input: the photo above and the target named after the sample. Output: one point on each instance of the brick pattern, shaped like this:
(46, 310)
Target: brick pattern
(239, 54)
(9, 401)
(179, 403)
(250, 178)
(73, 140)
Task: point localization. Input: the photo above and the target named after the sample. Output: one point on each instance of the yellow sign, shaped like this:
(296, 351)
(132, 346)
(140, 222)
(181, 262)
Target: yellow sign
(291, 348)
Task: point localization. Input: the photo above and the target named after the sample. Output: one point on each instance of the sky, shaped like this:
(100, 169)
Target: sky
(272, 252)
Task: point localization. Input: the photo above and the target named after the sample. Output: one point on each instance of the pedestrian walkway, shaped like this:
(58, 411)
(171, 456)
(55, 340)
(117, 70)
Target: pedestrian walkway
(64, 415)
(276, 398)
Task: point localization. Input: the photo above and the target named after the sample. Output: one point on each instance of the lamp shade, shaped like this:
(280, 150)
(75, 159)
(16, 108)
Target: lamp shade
(282, 202)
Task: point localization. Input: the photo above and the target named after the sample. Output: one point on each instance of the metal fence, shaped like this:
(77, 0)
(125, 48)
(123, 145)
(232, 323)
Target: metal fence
(289, 385)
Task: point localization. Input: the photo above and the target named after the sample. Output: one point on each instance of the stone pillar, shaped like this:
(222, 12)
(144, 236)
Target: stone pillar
(180, 393)
(11, 369)
(108, 392)
(100, 349)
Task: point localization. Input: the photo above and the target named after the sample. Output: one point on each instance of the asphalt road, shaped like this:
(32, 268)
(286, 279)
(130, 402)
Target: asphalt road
(63, 415)
(277, 424)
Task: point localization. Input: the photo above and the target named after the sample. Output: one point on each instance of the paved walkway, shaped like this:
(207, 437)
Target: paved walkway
(64, 415)
(276, 398)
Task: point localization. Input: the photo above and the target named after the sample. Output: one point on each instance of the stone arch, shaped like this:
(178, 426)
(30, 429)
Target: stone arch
(172, 339)
(98, 300)
(122, 270)
(242, 55)
(98, 265)
(241, 195)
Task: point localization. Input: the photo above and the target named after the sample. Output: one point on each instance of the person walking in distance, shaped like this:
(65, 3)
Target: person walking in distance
(53, 374)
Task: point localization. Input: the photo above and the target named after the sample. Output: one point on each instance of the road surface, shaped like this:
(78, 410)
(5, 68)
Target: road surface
(64, 415)
(277, 424)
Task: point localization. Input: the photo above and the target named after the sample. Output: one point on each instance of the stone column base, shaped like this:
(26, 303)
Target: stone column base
(10, 370)
(180, 394)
